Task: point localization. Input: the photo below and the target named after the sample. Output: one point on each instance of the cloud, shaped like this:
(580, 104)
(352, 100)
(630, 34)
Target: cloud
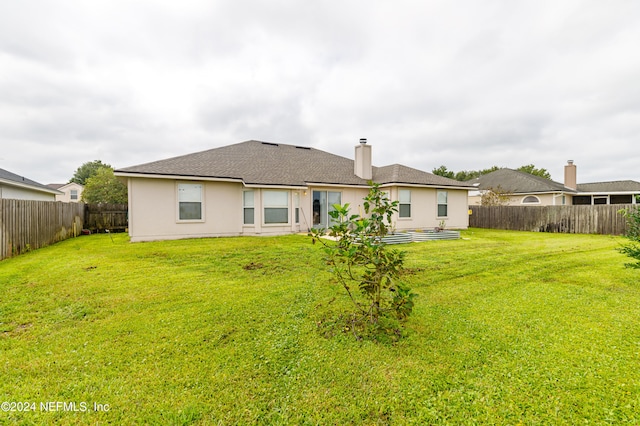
(465, 84)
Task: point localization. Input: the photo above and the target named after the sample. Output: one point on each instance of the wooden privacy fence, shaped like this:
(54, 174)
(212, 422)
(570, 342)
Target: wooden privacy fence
(103, 217)
(28, 225)
(601, 219)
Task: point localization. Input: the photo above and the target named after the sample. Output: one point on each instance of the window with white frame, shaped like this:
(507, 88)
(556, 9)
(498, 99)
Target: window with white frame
(600, 199)
(248, 207)
(323, 202)
(404, 197)
(296, 206)
(443, 204)
(276, 207)
(74, 194)
(190, 201)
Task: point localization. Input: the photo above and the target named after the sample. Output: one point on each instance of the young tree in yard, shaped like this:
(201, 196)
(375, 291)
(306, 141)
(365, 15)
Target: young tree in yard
(87, 170)
(367, 269)
(632, 249)
(494, 197)
(104, 187)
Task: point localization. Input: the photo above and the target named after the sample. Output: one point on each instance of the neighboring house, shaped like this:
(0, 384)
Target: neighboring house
(616, 192)
(262, 188)
(525, 189)
(71, 192)
(18, 187)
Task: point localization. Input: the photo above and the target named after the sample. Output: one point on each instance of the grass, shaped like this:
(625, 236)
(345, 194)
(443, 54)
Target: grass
(509, 328)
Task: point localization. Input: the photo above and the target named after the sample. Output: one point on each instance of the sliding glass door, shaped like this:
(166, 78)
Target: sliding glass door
(323, 202)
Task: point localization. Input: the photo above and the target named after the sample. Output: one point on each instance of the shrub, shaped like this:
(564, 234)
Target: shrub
(632, 249)
(367, 269)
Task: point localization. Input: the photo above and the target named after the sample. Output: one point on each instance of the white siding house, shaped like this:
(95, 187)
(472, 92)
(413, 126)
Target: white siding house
(13, 186)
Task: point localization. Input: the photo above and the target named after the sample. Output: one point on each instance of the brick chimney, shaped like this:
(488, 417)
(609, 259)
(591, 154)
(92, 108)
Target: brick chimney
(570, 175)
(362, 164)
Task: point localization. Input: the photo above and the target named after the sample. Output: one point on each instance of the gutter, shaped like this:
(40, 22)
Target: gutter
(180, 177)
(427, 185)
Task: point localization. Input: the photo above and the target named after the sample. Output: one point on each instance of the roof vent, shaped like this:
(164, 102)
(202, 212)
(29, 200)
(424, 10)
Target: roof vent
(269, 143)
(304, 147)
(363, 140)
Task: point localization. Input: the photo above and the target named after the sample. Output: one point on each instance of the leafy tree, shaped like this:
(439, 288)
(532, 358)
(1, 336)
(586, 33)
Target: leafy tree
(494, 197)
(443, 171)
(466, 175)
(367, 269)
(532, 170)
(87, 170)
(632, 249)
(104, 187)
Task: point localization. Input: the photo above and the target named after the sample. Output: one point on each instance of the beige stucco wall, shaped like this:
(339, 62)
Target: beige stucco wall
(423, 206)
(153, 209)
(424, 209)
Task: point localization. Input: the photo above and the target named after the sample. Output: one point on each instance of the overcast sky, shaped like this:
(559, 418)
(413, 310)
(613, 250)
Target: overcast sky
(463, 83)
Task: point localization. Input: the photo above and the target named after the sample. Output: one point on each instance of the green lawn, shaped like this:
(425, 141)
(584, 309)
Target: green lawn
(509, 328)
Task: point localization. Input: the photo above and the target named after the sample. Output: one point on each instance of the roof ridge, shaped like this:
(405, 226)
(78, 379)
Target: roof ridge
(535, 177)
(609, 181)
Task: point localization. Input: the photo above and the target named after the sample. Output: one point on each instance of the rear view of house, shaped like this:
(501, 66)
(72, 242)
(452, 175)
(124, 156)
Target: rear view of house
(264, 188)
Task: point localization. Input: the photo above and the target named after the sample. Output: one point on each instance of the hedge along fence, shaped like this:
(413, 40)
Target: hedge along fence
(600, 219)
(28, 225)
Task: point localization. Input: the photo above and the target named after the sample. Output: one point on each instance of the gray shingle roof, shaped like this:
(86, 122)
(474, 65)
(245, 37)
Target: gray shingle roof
(607, 187)
(516, 182)
(265, 163)
(9, 177)
(397, 173)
